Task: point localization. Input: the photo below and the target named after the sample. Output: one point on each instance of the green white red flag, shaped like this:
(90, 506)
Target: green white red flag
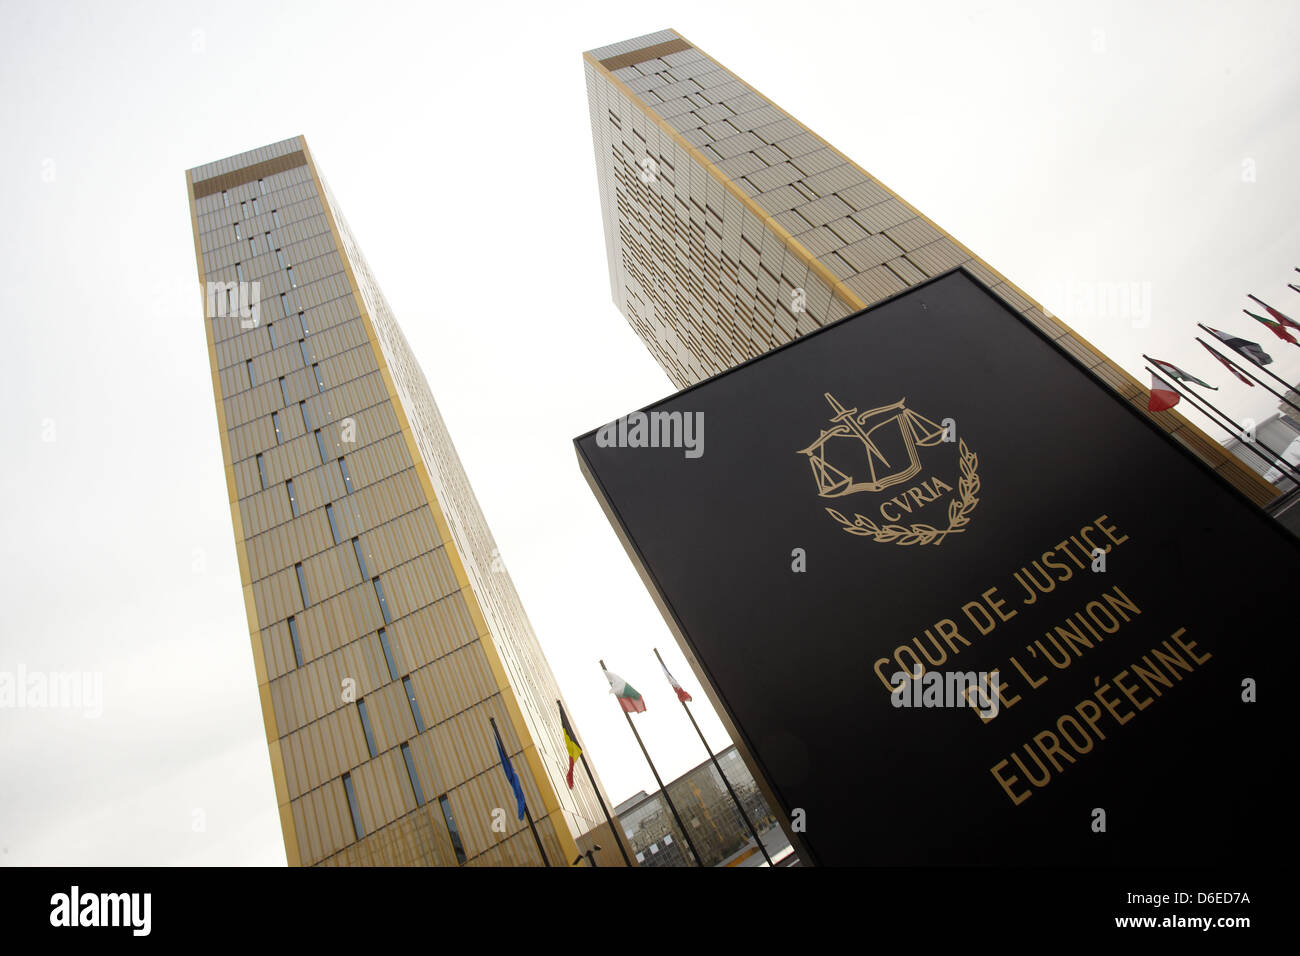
(1284, 319)
(628, 697)
(680, 691)
(1277, 328)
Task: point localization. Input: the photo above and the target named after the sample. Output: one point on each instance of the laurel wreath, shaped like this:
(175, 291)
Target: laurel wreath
(959, 510)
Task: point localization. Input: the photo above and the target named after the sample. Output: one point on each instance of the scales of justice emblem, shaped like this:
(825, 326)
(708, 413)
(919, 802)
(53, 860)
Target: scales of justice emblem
(878, 449)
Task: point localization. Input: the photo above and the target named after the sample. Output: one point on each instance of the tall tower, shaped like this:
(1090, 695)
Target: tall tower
(731, 228)
(385, 630)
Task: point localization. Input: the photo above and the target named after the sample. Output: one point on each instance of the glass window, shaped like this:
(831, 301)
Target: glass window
(302, 320)
(284, 304)
(334, 528)
(293, 638)
(239, 271)
(388, 654)
(361, 558)
(261, 468)
(269, 242)
(306, 355)
(306, 419)
(252, 379)
(365, 726)
(262, 186)
(383, 601)
(237, 235)
(275, 214)
(225, 198)
(320, 447)
(254, 205)
(415, 707)
(302, 584)
(347, 477)
(451, 829)
(320, 382)
(357, 828)
(275, 423)
(252, 245)
(284, 392)
(243, 209)
(270, 332)
(410, 772)
(292, 283)
(279, 257)
(293, 499)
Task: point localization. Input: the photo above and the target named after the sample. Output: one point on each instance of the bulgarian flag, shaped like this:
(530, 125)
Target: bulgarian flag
(1178, 375)
(681, 691)
(1251, 351)
(628, 696)
(1277, 328)
(1283, 319)
(1241, 376)
(570, 744)
(1162, 397)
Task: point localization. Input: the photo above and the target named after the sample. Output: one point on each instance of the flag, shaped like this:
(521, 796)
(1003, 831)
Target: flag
(513, 777)
(1277, 328)
(1251, 351)
(681, 692)
(1241, 376)
(627, 695)
(1286, 320)
(570, 744)
(1178, 375)
(1162, 396)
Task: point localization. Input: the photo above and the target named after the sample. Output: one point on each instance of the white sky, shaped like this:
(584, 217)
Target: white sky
(1066, 143)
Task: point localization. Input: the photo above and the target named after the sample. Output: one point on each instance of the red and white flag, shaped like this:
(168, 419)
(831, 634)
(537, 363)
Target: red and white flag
(1163, 397)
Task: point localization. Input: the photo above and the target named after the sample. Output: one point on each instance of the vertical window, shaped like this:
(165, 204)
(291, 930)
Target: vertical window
(275, 214)
(365, 726)
(347, 476)
(254, 205)
(451, 828)
(284, 304)
(243, 209)
(275, 423)
(383, 601)
(279, 257)
(357, 828)
(293, 499)
(262, 186)
(306, 355)
(284, 392)
(293, 639)
(334, 528)
(292, 283)
(320, 447)
(320, 382)
(306, 419)
(261, 468)
(252, 245)
(388, 654)
(302, 320)
(252, 379)
(225, 199)
(361, 558)
(269, 242)
(302, 584)
(415, 707)
(410, 771)
(237, 235)
(270, 332)
(239, 271)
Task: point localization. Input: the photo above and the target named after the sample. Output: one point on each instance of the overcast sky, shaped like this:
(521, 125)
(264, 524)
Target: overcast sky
(1073, 145)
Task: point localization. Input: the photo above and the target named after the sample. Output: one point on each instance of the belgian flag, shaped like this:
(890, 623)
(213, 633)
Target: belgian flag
(570, 744)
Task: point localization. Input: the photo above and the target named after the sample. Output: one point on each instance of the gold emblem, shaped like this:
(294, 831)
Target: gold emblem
(879, 449)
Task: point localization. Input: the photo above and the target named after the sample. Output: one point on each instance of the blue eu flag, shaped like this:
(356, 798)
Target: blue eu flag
(513, 777)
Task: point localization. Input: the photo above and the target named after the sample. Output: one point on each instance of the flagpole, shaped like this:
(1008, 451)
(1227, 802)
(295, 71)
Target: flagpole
(527, 813)
(618, 837)
(718, 767)
(664, 790)
(1257, 365)
(1276, 461)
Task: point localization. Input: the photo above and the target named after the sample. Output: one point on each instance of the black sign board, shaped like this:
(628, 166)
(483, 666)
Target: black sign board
(957, 602)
